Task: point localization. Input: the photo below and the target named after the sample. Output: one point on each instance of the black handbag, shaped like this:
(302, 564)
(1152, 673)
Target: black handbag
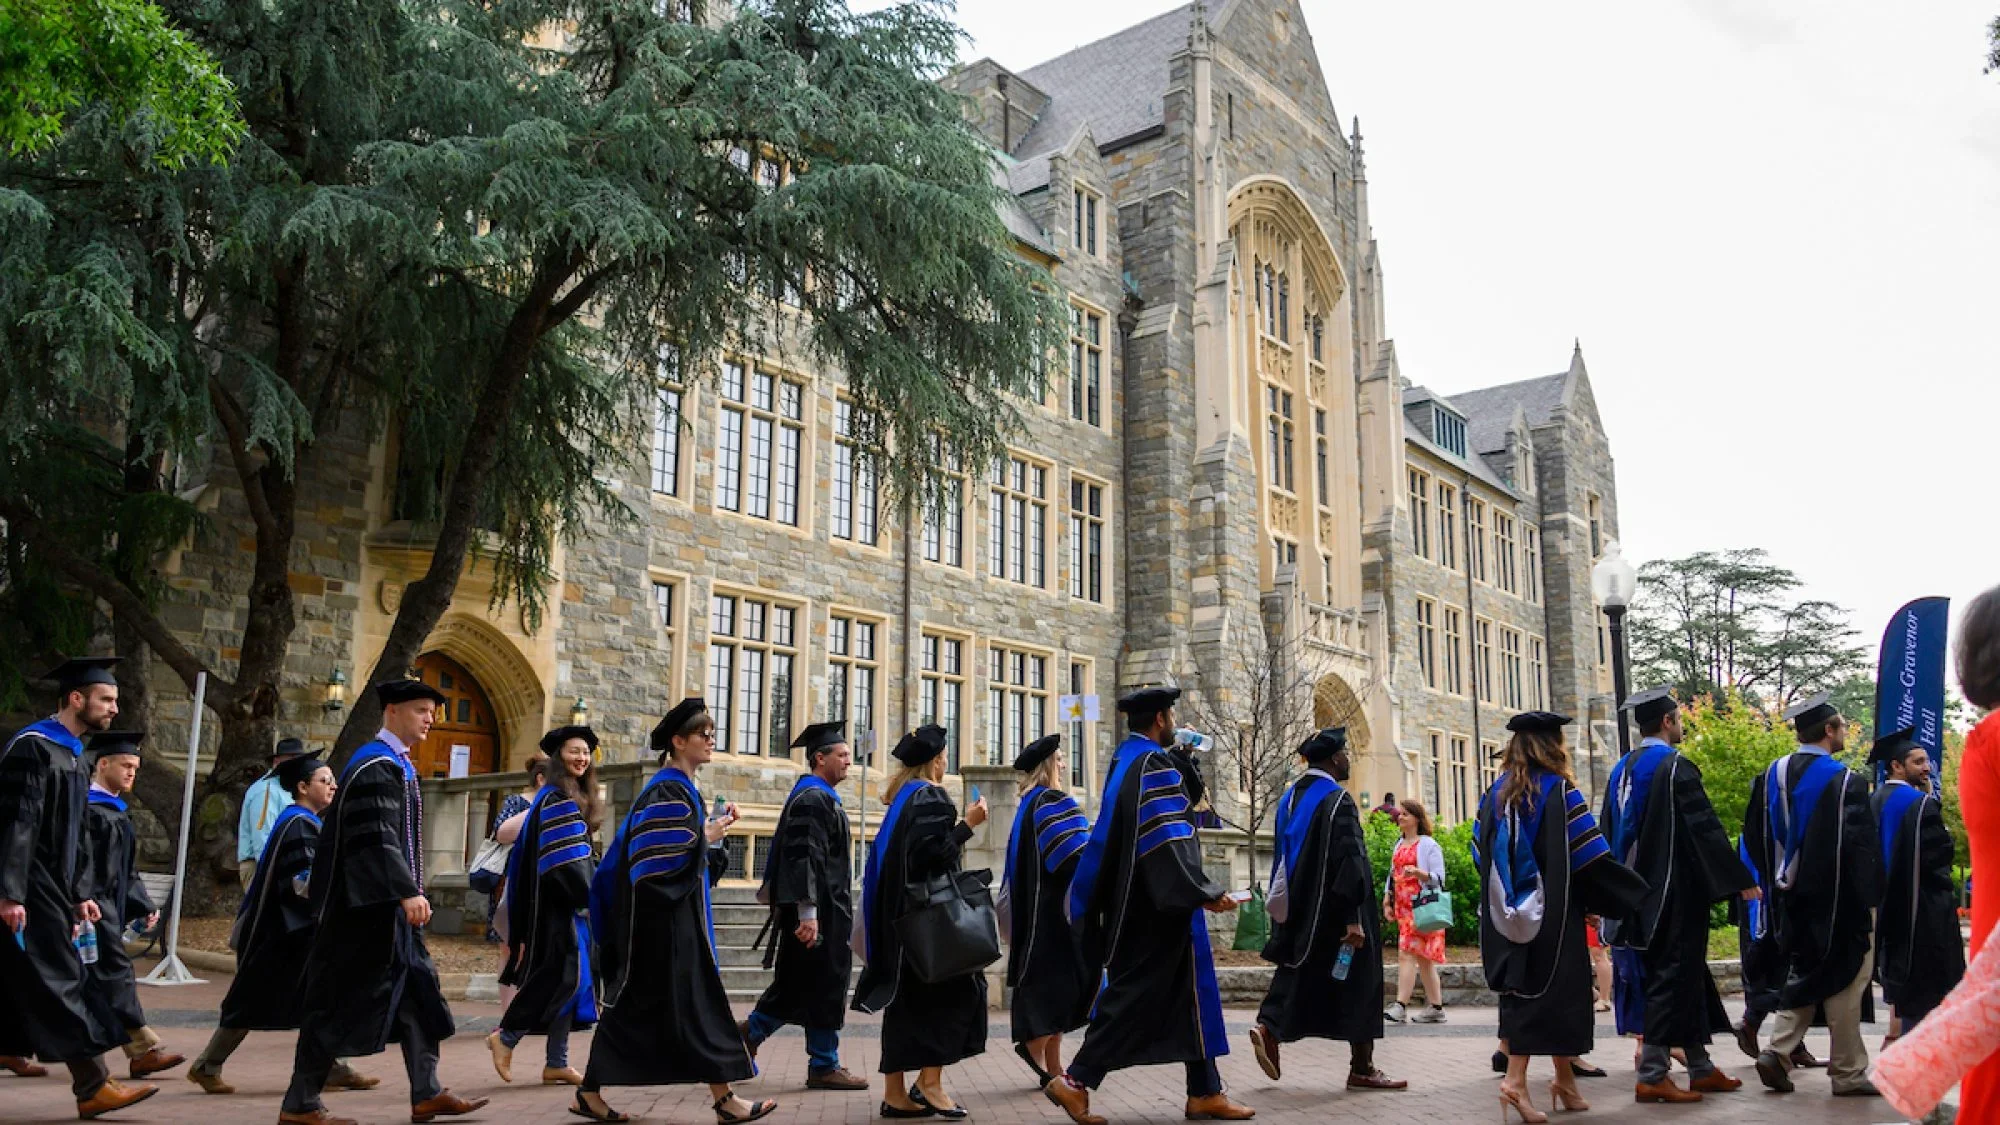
(952, 930)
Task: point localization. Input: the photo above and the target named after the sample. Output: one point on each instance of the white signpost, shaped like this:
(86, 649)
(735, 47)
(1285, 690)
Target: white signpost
(170, 971)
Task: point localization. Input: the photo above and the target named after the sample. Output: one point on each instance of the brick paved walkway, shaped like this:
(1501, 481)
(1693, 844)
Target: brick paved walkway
(1446, 1066)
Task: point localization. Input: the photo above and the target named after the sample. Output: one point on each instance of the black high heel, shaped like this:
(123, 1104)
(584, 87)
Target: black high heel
(1041, 1076)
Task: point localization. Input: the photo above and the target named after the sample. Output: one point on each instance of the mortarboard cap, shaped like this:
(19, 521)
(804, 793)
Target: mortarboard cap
(1324, 744)
(552, 742)
(821, 736)
(920, 745)
(288, 748)
(392, 692)
(1545, 722)
(103, 744)
(1035, 753)
(1649, 706)
(1149, 700)
(1811, 712)
(676, 722)
(73, 675)
(1894, 747)
(293, 772)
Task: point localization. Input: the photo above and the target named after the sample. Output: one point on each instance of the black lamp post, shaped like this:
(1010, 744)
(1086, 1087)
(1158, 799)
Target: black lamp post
(1614, 581)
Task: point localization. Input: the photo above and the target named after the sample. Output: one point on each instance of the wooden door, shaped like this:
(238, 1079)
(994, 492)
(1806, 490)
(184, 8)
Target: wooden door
(465, 719)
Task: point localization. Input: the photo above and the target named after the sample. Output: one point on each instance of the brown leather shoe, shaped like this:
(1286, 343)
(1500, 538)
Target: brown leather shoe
(1803, 1059)
(1073, 1100)
(1217, 1107)
(1375, 1080)
(561, 1076)
(1264, 1045)
(316, 1117)
(446, 1104)
(23, 1067)
(348, 1078)
(210, 1083)
(836, 1079)
(1664, 1091)
(154, 1061)
(112, 1097)
(1716, 1082)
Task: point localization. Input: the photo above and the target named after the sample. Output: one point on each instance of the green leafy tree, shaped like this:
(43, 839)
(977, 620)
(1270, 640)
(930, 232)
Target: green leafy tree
(61, 58)
(1731, 743)
(477, 224)
(1722, 621)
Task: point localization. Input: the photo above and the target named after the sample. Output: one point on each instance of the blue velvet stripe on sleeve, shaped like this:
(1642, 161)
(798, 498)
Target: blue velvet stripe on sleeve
(663, 840)
(1586, 843)
(564, 839)
(1060, 831)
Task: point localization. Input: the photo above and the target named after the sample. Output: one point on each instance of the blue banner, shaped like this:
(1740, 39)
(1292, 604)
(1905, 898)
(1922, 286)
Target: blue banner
(1909, 680)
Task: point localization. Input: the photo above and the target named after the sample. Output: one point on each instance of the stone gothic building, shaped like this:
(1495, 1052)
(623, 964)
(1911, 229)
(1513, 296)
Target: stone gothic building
(1231, 455)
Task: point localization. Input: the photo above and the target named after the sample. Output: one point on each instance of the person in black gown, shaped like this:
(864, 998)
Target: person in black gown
(1919, 953)
(273, 931)
(43, 1009)
(809, 886)
(1052, 986)
(369, 980)
(1138, 898)
(1810, 838)
(665, 1017)
(1658, 819)
(1542, 867)
(1323, 901)
(111, 880)
(926, 1025)
(548, 909)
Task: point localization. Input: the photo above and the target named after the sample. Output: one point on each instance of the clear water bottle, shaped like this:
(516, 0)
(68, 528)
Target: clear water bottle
(1344, 962)
(86, 944)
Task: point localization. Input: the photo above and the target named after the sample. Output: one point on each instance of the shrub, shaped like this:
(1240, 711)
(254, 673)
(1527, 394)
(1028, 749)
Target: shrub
(1461, 875)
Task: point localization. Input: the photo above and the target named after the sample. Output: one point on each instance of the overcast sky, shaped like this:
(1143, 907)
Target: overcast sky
(1772, 225)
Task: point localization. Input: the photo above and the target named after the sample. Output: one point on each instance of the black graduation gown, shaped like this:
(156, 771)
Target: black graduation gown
(366, 961)
(814, 862)
(1331, 886)
(548, 899)
(923, 1024)
(110, 848)
(42, 1007)
(275, 932)
(1819, 931)
(1683, 853)
(665, 1017)
(1545, 984)
(1919, 953)
(1138, 908)
(1052, 986)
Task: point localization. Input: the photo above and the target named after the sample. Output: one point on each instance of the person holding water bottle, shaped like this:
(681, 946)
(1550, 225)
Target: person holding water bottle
(43, 980)
(1325, 939)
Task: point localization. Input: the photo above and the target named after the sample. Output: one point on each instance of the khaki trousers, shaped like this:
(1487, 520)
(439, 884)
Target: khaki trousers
(139, 1040)
(1847, 1066)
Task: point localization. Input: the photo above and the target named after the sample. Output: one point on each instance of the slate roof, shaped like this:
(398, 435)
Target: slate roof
(1490, 410)
(1014, 213)
(1116, 85)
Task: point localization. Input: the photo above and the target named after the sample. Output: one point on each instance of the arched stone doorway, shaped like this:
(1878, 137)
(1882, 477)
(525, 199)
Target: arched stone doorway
(465, 720)
(1336, 705)
(514, 692)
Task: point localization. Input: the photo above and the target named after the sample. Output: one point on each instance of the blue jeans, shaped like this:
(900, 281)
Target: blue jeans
(822, 1043)
(558, 1043)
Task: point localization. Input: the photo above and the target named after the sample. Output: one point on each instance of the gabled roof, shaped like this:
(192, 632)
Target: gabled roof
(1117, 85)
(1489, 411)
(1014, 213)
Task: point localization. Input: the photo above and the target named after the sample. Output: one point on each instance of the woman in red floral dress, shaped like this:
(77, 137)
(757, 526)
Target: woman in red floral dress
(1418, 864)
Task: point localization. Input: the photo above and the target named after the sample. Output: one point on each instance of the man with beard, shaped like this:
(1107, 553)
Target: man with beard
(1658, 821)
(44, 1009)
(808, 886)
(1322, 902)
(1919, 955)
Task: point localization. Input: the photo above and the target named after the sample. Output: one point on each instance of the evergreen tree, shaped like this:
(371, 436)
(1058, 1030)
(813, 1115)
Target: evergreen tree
(478, 224)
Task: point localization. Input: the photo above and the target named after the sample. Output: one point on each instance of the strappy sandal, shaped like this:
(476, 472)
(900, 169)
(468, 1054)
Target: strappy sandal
(582, 1109)
(758, 1111)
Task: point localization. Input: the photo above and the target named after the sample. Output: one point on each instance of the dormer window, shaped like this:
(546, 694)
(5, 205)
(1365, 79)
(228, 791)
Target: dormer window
(1450, 431)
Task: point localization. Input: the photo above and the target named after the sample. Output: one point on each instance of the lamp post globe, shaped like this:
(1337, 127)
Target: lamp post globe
(1613, 582)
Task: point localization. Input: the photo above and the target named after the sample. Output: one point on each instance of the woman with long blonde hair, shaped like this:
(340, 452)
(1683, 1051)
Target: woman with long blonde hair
(1542, 867)
(926, 1025)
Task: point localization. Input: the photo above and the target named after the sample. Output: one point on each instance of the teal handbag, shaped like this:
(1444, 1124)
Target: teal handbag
(1430, 911)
